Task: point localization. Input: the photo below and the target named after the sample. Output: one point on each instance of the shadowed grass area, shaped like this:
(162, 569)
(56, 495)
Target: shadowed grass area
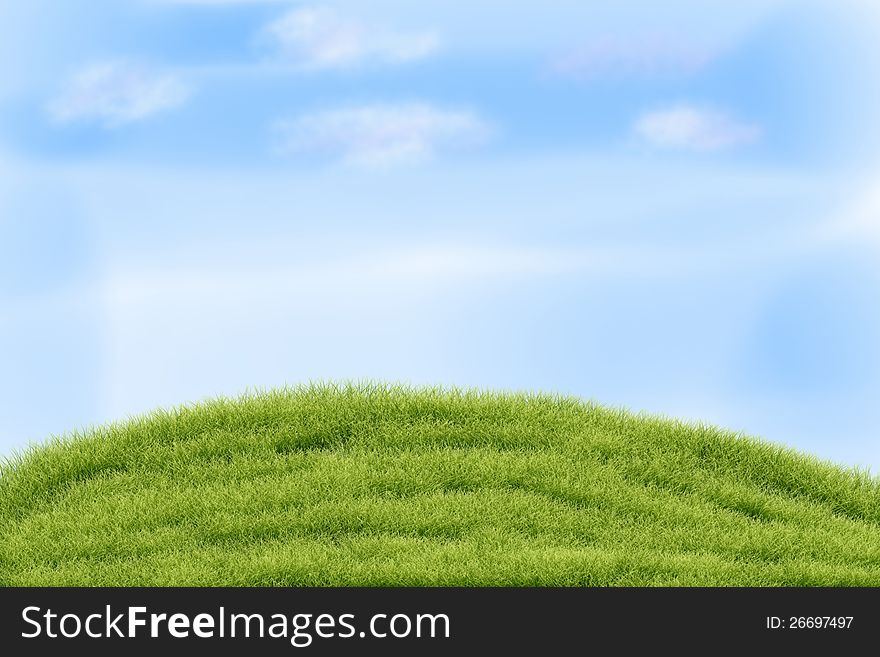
(369, 484)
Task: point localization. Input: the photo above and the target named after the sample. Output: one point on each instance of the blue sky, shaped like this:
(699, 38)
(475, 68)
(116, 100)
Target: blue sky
(675, 211)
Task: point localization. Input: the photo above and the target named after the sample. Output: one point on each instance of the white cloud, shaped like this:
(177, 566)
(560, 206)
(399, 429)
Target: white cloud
(685, 127)
(635, 56)
(534, 26)
(321, 38)
(380, 135)
(117, 93)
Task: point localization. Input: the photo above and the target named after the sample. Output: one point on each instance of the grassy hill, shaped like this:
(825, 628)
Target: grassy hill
(381, 485)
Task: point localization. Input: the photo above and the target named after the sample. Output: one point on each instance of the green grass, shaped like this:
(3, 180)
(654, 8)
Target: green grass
(383, 485)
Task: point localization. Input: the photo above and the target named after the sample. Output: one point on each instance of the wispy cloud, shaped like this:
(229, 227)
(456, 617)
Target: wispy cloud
(858, 221)
(687, 127)
(321, 38)
(381, 135)
(401, 267)
(866, 217)
(117, 93)
(627, 57)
